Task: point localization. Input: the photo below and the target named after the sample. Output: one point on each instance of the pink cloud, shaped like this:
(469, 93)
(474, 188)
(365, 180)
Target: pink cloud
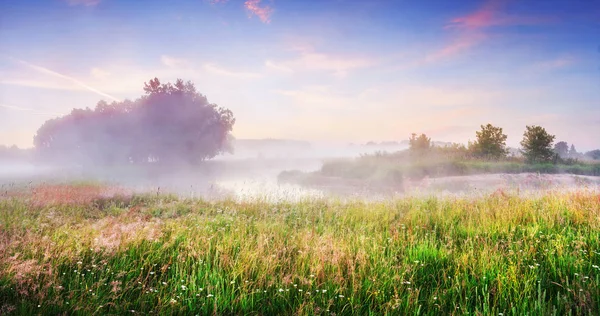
(263, 12)
(491, 14)
(558, 63)
(87, 3)
(483, 17)
(455, 47)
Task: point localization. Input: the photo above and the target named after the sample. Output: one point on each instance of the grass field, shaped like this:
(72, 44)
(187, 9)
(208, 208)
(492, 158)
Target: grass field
(86, 249)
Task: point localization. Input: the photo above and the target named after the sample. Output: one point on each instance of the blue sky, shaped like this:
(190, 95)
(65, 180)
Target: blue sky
(338, 70)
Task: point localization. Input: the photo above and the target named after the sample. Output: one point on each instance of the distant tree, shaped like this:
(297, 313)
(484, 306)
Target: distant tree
(490, 143)
(169, 124)
(594, 154)
(419, 144)
(537, 144)
(573, 152)
(562, 149)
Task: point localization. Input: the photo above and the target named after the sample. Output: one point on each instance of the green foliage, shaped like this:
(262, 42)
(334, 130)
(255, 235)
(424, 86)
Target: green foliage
(490, 143)
(537, 145)
(419, 144)
(488, 256)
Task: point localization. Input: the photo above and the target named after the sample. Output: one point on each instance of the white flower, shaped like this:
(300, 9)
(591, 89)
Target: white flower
(280, 290)
(209, 295)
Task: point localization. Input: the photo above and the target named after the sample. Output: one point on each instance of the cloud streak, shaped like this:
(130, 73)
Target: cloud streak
(491, 14)
(310, 60)
(71, 79)
(87, 3)
(32, 111)
(172, 61)
(212, 68)
(263, 12)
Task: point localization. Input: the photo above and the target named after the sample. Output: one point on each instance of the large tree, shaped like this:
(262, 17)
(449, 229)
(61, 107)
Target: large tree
(171, 123)
(490, 142)
(537, 144)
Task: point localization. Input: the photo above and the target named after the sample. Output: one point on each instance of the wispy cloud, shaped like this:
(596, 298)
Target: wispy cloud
(557, 63)
(492, 14)
(483, 17)
(311, 60)
(172, 61)
(62, 76)
(470, 30)
(87, 3)
(41, 84)
(212, 68)
(29, 110)
(281, 68)
(263, 12)
(455, 47)
(99, 73)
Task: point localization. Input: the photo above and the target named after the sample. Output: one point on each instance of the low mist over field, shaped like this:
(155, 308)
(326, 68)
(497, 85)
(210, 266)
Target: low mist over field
(269, 157)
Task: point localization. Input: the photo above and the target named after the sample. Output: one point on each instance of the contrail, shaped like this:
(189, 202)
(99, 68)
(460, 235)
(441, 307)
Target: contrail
(56, 74)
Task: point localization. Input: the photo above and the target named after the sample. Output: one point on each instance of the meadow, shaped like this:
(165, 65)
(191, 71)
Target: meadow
(86, 249)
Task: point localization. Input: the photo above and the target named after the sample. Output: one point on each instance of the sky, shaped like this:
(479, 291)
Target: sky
(326, 70)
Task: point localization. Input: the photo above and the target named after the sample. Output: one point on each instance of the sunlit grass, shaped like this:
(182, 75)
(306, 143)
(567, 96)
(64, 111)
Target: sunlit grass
(159, 254)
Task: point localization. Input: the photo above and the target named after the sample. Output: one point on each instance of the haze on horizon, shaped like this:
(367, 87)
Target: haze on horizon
(346, 71)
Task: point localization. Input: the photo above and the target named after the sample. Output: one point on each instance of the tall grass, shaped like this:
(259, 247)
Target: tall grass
(163, 255)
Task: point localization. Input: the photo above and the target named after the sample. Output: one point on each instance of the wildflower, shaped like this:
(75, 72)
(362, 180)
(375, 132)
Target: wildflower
(323, 291)
(79, 262)
(173, 301)
(151, 273)
(209, 295)
(183, 288)
(340, 296)
(164, 283)
(232, 282)
(280, 290)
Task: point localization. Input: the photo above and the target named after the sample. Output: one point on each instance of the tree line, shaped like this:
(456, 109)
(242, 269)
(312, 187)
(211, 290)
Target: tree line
(490, 143)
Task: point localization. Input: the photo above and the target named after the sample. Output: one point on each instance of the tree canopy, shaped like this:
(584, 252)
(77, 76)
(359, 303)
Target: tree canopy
(490, 143)
(562, 149)
(171, 123)
(537, 144)
(419, 144)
